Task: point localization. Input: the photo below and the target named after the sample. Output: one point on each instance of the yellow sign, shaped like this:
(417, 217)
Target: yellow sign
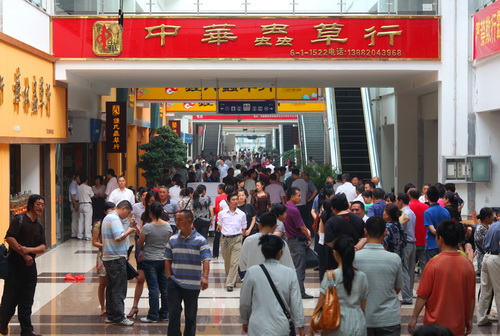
(212, 107)
(195, 94)
(106, 38)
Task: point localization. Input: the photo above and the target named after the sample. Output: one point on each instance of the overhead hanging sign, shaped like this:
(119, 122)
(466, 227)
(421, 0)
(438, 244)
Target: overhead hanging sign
(194, 108)
(246, 117)
(212, 94)
(487, 31)
(248, 107)
(116, 127)
(380, 38)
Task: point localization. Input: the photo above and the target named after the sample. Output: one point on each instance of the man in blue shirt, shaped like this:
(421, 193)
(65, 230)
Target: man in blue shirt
(490, 274)
(377, 209)
(432, 217)
(114, 257)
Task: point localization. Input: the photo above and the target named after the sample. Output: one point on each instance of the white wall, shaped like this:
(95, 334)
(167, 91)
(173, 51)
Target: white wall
(26, 23)
(30, 168)
(487, 143)
(486, 75)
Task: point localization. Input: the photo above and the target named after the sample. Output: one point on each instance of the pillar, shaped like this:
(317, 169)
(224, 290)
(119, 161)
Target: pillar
(53, 193)
(406, 140)
(131, 168)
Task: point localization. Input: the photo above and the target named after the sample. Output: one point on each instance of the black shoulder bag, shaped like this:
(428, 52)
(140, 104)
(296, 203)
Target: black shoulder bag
(280, 300)
(4, 252)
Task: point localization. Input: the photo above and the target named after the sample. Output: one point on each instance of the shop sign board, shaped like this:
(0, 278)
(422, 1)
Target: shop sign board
(212, 94)
(487, 31)
(175, 125)
(248, 107)
(236, 38)
(116, 127)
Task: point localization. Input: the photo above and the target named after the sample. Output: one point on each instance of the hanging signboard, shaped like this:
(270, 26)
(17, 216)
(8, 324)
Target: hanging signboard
(236, 38)
(116, 127)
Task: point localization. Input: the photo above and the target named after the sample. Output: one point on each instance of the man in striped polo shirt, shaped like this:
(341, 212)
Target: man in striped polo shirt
(187, 266)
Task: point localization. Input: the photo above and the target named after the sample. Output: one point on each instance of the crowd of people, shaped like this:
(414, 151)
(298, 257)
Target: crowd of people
(264, 220)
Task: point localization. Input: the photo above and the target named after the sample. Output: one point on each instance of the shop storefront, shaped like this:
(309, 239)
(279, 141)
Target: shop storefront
(33, 110)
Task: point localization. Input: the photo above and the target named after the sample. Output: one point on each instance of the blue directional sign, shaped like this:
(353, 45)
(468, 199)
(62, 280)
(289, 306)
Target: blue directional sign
(246, 107)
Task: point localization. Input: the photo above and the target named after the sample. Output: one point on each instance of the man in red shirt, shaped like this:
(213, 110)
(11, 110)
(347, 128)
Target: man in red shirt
(418, 208)
(222, 196)
(448, 285)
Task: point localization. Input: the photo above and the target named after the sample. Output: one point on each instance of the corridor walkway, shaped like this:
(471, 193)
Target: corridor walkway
(70, 308)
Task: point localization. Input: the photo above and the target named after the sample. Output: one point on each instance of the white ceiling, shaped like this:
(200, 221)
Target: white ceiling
(210, 73)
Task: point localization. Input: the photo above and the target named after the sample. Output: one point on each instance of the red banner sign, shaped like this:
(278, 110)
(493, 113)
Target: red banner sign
(415, 38)
(487, 31)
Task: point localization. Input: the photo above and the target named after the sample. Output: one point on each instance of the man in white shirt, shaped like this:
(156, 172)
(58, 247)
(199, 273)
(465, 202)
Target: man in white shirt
(232, 223)
(347, 188)
(73, 202)
(85, 195)
(249, 177)
(121, 193)
(358, 208)
(112, 183)
(360, 188)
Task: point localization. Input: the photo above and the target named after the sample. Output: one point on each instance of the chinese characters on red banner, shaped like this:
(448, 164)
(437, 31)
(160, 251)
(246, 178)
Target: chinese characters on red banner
(256, 38)
(487, 31)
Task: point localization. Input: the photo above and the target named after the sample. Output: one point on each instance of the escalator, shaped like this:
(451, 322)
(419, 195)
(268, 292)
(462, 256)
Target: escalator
(351, 132)
(211, 140)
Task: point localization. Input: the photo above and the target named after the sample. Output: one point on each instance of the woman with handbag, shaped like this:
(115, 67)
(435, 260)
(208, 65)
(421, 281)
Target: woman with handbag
(349, 290)
(270, 299)
(153, 239)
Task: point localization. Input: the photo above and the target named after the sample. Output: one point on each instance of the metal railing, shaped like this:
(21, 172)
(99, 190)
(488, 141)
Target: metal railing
(333, 133)
(246, 7)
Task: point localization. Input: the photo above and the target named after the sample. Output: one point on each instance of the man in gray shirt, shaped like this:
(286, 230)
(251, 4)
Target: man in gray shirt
(251, 253)
(385, 277)
(408, 220)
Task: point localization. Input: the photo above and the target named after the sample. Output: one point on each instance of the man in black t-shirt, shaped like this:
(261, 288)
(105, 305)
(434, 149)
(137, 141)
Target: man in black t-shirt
(26, 239)
(343, 223)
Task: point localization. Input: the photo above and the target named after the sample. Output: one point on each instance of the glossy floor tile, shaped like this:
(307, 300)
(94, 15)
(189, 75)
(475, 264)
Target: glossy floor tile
(72, 308)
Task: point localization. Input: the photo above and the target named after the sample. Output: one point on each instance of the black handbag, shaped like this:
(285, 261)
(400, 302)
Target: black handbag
(4, 262)
(4, 252)
(131, 272)
(280, 300)
(312, 260)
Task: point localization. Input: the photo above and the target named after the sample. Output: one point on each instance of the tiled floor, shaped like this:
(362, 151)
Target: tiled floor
(71, 308)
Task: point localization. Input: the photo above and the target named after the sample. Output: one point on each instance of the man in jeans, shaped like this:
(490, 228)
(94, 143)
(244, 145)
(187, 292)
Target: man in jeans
(114, 256)
(385, 276)
(187, 266)
(298, 236)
